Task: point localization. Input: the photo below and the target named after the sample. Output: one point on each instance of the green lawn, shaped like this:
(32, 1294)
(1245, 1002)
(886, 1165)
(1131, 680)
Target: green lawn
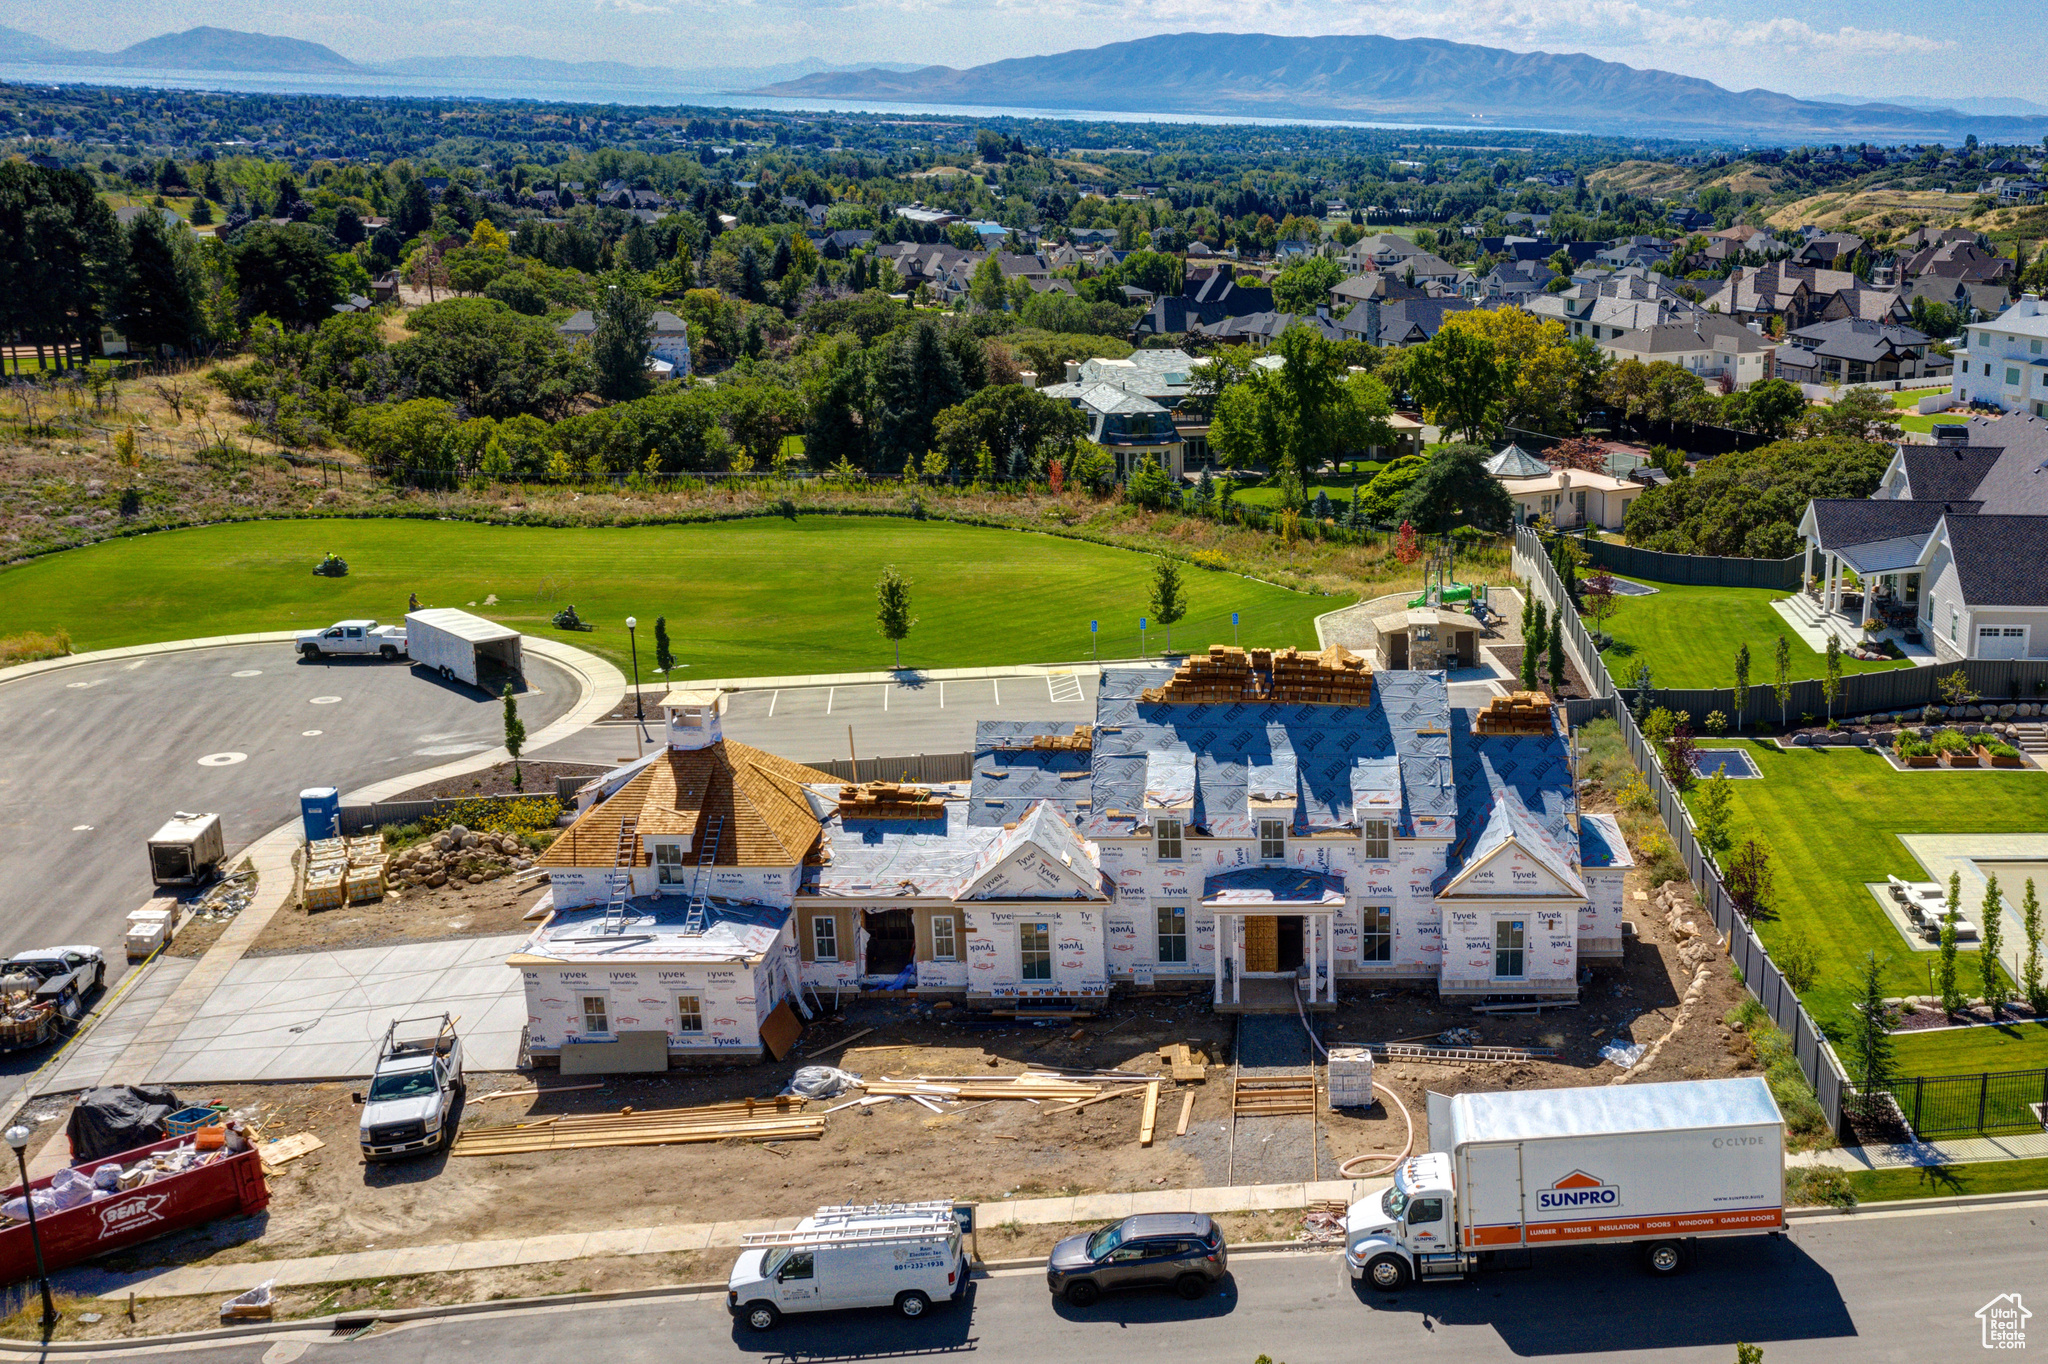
(1949, 1181)
(1965, 1051)
(1338, 488)
(1829, 820)
(743, 598)
(1689, 635)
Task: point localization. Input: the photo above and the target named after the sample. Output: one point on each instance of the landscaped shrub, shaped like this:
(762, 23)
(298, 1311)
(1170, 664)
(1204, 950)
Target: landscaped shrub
(1913, 746)
(1813, 1186)
(1998, 748)
(1717, 722)
(531, 815)
(1950, 741)
(1806, 1124)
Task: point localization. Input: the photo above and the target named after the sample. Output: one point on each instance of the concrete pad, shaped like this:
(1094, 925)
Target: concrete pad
(540, 1250)
(485, 1255)
(622, 1241)
(682, 1236)
(482, 980)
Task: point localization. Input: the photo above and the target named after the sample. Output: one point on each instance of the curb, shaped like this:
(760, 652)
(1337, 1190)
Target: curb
(1958, 1203)
(470, 1309)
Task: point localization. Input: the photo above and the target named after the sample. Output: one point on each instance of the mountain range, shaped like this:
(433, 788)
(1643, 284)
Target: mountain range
(1402, 80)
(224, 50)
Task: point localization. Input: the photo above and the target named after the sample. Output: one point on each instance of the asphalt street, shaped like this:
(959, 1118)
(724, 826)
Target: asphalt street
(887, 719)
(1868, 1289)
(94, 758)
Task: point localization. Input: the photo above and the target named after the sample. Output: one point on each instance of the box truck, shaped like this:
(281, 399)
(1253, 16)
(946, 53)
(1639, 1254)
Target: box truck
(187, 850)
(1657, 1165)
(456, 645)
(901, 1255)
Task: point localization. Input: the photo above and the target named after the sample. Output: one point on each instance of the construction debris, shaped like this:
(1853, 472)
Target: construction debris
(889, 800)
(778, 1119)
(1226, 674)
(277, 1154)
(1522, 712)
(1183, 1064)
(1187, 1110)
(1149, 1121)
(1323, 1225)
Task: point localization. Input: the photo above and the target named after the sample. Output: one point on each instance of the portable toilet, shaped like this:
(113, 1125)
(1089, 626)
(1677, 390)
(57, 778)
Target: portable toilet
(320, 807)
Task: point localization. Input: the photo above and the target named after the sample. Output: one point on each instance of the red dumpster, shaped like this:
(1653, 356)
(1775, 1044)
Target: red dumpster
(232, 1184)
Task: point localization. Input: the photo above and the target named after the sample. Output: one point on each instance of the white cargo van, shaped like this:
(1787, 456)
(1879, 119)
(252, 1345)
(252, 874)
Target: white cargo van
(1657, 1165)
(901, 1255)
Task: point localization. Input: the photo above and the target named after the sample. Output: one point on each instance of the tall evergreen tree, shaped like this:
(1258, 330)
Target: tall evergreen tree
(619, 346)
(157, 308)
(1871, 1044)
(2030, 974)
(1990, 946)
(1535, 638)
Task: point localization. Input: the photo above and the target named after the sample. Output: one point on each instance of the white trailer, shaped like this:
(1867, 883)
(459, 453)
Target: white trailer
(1657, 1165)
(460, 646)
(186, 851)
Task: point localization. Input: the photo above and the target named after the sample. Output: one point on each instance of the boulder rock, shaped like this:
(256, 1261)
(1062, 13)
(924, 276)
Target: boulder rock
(521, 863)
(476, 879)
(1802, 741)
(437, 878)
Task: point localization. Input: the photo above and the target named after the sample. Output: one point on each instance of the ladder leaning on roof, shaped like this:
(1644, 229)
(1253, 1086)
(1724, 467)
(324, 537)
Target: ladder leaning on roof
(697, 919)
(618, 883)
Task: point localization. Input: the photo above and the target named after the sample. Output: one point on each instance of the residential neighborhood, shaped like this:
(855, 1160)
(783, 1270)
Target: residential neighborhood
(1245, 697)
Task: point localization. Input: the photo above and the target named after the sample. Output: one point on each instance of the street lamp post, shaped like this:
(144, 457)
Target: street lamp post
(17, 1137)
(639, 714)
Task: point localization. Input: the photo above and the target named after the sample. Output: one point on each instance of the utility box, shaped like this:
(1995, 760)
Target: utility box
(1350, 1077)
(320, 808)
(186, 851)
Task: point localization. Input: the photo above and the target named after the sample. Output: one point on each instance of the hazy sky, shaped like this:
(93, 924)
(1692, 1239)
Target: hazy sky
(1870, 47)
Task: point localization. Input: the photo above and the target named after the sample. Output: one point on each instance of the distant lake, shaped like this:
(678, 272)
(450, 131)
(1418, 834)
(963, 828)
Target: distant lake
(371, 84)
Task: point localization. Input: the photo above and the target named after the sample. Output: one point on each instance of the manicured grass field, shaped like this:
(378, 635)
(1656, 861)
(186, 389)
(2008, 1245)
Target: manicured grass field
(743, 598)
(1950, 1181)
(1965, 1051)
(1339, 490)
(1829, 820)
(1689, 635)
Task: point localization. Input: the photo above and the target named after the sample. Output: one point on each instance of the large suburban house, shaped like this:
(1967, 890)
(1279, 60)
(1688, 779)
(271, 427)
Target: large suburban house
(1404, 322)
(1853, 351)
(1951, 548)
(668, 340)
(1133, 428)
(1204, 299)
(1256, 825)
(1568, 498)
(1712, 347)
(2003, 362)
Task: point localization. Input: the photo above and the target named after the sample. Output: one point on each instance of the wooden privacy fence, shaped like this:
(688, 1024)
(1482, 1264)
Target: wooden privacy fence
(1694, 570)
(918, 767)
(1995, 681)
(1760, 975)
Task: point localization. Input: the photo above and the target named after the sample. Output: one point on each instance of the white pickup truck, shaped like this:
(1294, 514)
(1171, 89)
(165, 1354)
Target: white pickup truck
(354, 637)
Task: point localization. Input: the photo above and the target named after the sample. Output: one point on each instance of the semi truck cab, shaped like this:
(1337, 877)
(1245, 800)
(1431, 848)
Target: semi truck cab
(1410, 1230)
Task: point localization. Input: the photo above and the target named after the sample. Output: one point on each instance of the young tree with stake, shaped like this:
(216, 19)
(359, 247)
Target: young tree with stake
(1871, 1044)
(664, 656)
(892, 614)
(515, 736)
(1993, 941)
(1831, 680)
(1169, 597)
(1741, 684)
(1782, 688)
(1717, 799)
(2030, 974)
(1945, 972)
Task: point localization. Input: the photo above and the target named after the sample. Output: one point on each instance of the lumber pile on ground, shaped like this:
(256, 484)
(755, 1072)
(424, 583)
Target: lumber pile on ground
(1523, 712)
(779, 1119)
(1268, 1096)
(971, 1089)
(1183, 1064)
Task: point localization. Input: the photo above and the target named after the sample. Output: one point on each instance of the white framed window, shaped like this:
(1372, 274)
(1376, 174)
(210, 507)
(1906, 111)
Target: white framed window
(945, 941)
(1166, 837)
(1377, 942)
(1379, 834)
(824, 938)
(668, 863)
(1173, 934)
(689, 1014)
(1034, 951)
(1508, 936)
(597, 1014)
(1272, 840)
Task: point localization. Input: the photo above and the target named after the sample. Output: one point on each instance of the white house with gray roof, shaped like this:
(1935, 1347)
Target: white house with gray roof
(2005, 360)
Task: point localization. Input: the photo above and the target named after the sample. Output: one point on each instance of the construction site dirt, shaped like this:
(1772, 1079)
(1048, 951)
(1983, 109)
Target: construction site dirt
(329, 1202)
(417, 915)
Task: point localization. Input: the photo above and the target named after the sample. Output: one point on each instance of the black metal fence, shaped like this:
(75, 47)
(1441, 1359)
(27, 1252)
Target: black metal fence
(1760, 974)
(1995, 1101)
(1694, 570)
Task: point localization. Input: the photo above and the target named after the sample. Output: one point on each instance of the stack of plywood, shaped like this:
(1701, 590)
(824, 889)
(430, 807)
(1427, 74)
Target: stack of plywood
(780, 1119)
(1334, 677)
(1524, 712)
(889, 800)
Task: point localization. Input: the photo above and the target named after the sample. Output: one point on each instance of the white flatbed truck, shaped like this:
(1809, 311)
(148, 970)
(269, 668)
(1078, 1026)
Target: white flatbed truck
(1656, 1165)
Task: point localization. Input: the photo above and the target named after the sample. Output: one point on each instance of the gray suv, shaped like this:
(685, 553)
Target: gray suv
(1180, 1250)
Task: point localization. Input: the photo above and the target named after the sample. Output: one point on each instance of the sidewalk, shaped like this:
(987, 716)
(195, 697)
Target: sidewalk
(906, 676)
(533, 1250)
(1967, 1151)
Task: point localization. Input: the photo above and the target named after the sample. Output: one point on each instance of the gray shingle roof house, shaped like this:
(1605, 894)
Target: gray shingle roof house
(1404, 322)
(1855, 351)
(1957, 531)
(669, 338)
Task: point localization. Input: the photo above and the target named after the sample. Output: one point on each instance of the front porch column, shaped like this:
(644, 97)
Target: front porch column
(1219, 921)
(1308, 942)
(1237, 977)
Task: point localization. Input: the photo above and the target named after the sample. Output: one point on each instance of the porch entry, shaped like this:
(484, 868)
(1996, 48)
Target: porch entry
(892, 942)
(1272, 943)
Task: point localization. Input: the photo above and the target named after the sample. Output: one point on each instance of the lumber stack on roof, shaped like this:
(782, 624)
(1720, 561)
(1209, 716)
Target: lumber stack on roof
(1523, 712)
(1334, 677)
(779, 1119)
(1082, 740)
(889, 800)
